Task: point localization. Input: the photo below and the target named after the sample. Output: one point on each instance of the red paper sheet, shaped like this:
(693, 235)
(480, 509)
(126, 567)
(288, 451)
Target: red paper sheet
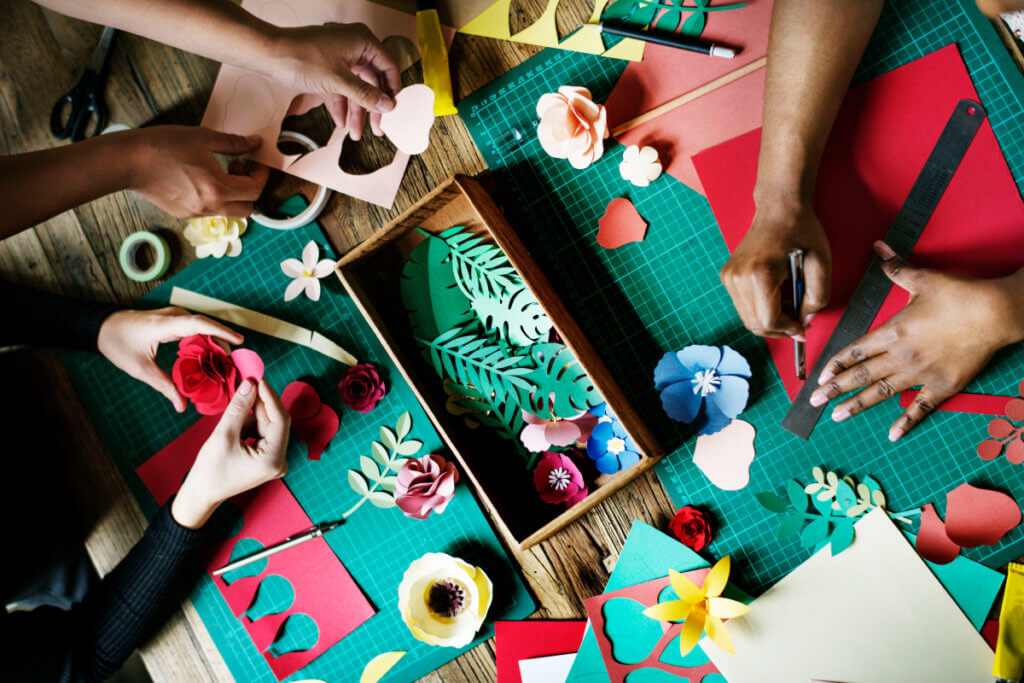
(324, 590)
(515, 641)
(882, 137)
(666, 73)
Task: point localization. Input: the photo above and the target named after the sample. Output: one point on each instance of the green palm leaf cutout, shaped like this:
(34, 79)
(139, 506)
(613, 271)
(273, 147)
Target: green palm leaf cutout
(559, 385)
(481, 270)
(473, 360)
(477, 409)
(515, 316)
(430, 294)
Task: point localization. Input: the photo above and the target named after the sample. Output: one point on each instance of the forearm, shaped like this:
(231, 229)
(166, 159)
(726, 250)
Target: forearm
(40, 318)
(813, 50)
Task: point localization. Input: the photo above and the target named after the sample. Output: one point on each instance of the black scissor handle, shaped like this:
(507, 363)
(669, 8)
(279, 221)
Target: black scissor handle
(82, 105)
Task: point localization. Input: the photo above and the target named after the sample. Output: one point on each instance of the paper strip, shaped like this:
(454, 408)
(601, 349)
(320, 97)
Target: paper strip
(977, 404)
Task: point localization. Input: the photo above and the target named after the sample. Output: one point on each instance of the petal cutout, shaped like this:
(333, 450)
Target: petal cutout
(686, 590)
(533, 438)
(714, 582)
(693, 628)
(976, 516)
(294, 288)
(292, 267)
(733, 363)
(669, 371)
(724, 608)
(725, 457)
(932, 542)
(313, 289)
(719, 636)
(310, 255)
(731, 397)
(562, 433)
(323, 269)
(680, 403)
(699, 357)
(674, 610)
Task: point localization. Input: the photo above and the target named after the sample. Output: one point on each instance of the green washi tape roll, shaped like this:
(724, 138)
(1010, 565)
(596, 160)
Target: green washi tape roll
(129, 256)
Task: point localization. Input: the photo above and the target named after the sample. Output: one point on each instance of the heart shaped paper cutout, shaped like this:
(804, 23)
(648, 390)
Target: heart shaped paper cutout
(620, 224)
(725, 456)
(408, 124)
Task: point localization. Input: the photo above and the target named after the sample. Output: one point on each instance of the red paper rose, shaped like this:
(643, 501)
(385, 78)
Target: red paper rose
(362, 387)
(205, 373)
(425, 484)
(558, 480)
(692, 527)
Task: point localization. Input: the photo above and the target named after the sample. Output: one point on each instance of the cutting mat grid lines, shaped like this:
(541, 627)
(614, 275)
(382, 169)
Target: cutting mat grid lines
(641, 300)
(375, 545)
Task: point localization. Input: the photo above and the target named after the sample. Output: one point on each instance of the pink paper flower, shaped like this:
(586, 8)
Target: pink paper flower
(540, 434)
(558, 480)
(362, 387)
(205, 374)
(425, 484)
(572, 126)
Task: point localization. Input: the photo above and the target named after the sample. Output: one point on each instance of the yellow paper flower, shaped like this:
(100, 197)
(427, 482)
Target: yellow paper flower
(216, 235)
(443, 600)
(703, 609)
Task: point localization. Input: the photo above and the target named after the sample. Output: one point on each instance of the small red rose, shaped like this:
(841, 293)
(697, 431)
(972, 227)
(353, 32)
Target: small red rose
(692, 527)
(205, 374)
(362, 387)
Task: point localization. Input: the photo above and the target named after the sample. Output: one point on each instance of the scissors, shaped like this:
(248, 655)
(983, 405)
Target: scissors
(74, 111)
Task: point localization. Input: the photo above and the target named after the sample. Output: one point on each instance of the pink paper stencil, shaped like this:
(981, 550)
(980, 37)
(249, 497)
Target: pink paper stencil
(324, 590)
(884, 132)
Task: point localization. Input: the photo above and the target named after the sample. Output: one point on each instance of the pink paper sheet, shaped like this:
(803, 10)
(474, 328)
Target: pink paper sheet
(518, 640)
(885, 130)
(324, 590)
(666, 73)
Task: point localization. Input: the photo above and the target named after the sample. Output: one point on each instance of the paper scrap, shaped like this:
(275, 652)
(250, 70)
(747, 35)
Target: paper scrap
(550, 669)
(315, 423)
(976, 404)
(298, 632)
(976, 516)
(408, 124)
(640, 166)
(932, 542)
(260, 322)
(248, 363)
(725, 457)
(515, 641)
(887, 619)
(620, 224)
(378, 667)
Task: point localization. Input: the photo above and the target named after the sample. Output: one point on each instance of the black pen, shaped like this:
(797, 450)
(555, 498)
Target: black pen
(796, 278)
(315, 531)
(618, 28)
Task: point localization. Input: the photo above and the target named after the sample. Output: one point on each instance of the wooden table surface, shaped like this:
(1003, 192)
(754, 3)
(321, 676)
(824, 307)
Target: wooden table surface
(41, 57)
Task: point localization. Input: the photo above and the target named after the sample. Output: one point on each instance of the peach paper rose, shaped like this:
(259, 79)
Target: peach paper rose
(572, 126)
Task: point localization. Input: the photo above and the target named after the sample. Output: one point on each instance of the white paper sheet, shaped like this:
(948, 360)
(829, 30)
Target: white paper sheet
(553, 669)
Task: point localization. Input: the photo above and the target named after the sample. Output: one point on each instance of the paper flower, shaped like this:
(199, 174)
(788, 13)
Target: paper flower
(362, 387)
(692, 527)
(306, 273)
(443, 600)
(703, 386)
(216, 235)
(425, 484)
(702, 608)
(205, 374)
(640, 165)
(558, 480)
(540, 434)
(609, 445)
(572, 126)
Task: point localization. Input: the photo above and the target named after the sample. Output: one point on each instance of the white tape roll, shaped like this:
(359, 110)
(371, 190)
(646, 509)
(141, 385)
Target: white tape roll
(313, 210)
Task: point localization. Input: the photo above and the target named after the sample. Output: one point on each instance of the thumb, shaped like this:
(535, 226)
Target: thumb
(238, 409)
(226, 143)
(363, 92)
(162, 382)
(817, 281)
(906, 275)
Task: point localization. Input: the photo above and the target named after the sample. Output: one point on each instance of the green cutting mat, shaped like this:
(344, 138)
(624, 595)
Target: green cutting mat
(641, 300)
(375, 545)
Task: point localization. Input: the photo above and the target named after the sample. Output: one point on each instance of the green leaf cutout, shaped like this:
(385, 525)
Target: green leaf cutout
(515, 316)
(482, 271)
(373, 480)
(358, 484)
(561, 387)
(842, 537)
(382, 499)
(403, 426)
(790, 526)
(771, 502)
(369, 468)
(797, 497)
(431, 295)
(388, 436)
(473, 360)
(814, 533)
(379, 452)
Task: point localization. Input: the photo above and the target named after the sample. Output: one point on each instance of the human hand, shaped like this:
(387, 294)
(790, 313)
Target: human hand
(941, 340)
(347, 63)
(129, 339)
(174, 168)
(759, 266)
(226, 464)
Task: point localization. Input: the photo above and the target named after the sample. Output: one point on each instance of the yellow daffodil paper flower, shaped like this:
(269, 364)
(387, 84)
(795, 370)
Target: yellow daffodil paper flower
(444, 600)
(701, 609)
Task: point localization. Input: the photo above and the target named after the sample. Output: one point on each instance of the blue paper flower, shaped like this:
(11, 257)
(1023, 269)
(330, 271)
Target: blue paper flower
(703, 386)
(609, 445)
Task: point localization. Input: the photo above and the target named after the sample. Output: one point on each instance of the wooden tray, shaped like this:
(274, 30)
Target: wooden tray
(370, 273)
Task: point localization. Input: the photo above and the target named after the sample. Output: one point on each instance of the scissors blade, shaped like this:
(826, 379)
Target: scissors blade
(99, 55)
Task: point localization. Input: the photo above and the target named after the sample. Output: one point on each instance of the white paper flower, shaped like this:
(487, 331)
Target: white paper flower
(216, 235)
(306, 273)
(443, 600)
(640, 165)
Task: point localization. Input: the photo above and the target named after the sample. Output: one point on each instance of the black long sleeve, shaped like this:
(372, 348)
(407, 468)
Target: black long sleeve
(39, 318)
(92, 640)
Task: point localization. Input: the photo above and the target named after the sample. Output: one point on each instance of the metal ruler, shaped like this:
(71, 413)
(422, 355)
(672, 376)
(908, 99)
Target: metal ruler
(908, 225)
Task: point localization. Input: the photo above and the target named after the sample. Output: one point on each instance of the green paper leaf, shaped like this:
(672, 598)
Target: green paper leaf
(358, 484)
(823, 506)
(379, 453)
(472, 360)
(515, 316)
(796, 494)
(369, 468)
(388, 437)
(430, 294)
(790, 526)
(382, 499)
(814, 533)
(845, 496)
(388, 482)
(771, 502)
(410, 447)
(842, 537)
(403, 426)
(482, 270)
(560, 386)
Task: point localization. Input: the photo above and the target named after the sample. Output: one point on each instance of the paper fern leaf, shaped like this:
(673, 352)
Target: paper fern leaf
(474, 361)
(482, 270)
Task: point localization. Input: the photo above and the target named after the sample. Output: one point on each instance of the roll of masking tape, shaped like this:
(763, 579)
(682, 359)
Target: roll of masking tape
(131, 250)
(312, 211)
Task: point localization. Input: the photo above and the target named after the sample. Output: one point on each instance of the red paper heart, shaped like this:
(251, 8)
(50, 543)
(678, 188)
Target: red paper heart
(977, 516)
(620, 224)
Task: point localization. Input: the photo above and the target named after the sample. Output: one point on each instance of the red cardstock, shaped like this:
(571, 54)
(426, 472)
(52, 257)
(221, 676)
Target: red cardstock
(977, 404)
(646, 594)
(324, 590)
(976, 516)
(314, 423)
(881, 139)
(932, 542)
(515, 641)
(620, 224)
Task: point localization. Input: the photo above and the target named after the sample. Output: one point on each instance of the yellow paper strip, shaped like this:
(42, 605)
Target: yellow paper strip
(260, 322)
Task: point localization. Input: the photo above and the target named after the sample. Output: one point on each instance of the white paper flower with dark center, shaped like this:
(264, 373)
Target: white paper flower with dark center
(640, 165)
(444, 600)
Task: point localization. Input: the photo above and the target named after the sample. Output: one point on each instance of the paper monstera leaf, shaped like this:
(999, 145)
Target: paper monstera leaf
(429, 291)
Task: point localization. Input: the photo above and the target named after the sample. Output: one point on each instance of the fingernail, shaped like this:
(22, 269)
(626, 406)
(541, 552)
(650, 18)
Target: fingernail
(840, 414)
(385, 104)
(818, 399)
(245, 388)
(807, 319)
(885, 252)
(826, 376)
(799, 337)
(895, 433)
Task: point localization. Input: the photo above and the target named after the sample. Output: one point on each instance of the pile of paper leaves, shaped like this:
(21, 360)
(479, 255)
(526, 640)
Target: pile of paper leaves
(488, 338)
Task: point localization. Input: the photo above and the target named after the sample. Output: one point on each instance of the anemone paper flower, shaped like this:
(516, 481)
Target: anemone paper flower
(216, 236)
(640, 165)
(540, 435)
(558, 480)
(443, 600)
(700, 609)
(703, 386)
(572, 126)
(610, 446)
(306, 273)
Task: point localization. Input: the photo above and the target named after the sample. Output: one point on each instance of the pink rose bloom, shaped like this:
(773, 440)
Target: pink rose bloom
(572, 126)
(205, 374)
(362, 387)
(540, 434)
(425, 484)
(558, 480)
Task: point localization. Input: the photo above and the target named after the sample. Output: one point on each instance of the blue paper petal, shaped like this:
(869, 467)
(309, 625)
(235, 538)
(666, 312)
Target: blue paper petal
(680, 403)
(601, 409)
(731, 397)
(627, 459)
(608, 464)
(733, 363)
(711, 421)
(698, 357)
(668, 371)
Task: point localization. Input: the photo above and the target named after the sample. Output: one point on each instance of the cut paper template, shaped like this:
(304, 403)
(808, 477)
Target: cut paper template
(245, 103)
(885, 130)
(725, 457)
(620, 224)
(667, 73)
(976, 516)
(315, 423)
(408, 124)
(260, 322)
(933, 543)
(552, 669)
(380, 665)
(515, 641)
(877, 605)
(1005, 434)
(324, 591)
